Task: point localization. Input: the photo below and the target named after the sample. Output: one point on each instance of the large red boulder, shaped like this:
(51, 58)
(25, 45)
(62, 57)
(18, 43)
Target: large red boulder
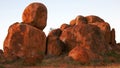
(86, 35)
(54, 45)
(83, 55)
(35, 14)
(25, 42)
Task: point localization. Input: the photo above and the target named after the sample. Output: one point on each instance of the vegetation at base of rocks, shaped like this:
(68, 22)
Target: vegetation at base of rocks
(111, 57)
(2, 66)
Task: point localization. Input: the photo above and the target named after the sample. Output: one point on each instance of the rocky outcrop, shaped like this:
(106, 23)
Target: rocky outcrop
(88, 38)
(84, 39)
(35, 15)
(25, 42)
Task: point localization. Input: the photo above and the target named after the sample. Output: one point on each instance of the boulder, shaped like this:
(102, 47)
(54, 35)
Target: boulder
(55, 46)
(24, 41)
(72, 22)
(78, 20)
(35, 14)
(86, 35)
(64, 26)
(79, 54)
(94, 19)
(83, 55)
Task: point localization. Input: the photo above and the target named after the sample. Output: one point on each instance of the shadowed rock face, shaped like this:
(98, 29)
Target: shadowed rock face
(35, 15)
(24, 41)
(55, 46)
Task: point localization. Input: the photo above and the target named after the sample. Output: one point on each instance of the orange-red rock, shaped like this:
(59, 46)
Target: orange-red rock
(72, 22)
(79, 54)
(105, 29)
(78, 20)
(24, 41)
(83, 55)
(54, 44)
(64, 26)
(89, 36)
(113, 41)
(35, 14)
(94, 19)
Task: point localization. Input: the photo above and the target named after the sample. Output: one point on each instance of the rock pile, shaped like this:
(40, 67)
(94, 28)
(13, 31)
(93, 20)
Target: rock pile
(26, 40)
(84, 39)
(88, 38)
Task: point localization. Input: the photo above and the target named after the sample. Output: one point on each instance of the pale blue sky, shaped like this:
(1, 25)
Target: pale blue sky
(60, 11)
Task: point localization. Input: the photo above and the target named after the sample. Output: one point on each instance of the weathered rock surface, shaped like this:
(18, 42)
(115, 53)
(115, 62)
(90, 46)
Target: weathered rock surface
(78, 20)
(105, 29)
(25, 42)
(55, 46)
(35, 14)
(64, 26)
(94, 19)
(88, 36)
(113, 41)
(83, 55)
(88, 40)
(84, 39)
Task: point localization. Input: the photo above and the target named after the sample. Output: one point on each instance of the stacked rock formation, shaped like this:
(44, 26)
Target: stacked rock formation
(87, 38)
(84, 39)
(26, 40)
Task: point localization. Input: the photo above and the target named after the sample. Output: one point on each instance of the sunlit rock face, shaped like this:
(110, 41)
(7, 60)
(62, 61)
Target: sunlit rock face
(88, 37)
(35, 15)
(25, 42)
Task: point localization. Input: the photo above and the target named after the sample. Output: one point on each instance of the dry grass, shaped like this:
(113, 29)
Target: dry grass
(60, 62)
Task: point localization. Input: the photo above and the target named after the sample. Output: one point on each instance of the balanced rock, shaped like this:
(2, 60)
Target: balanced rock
(25, 42)
(54, 44)
(35, 14)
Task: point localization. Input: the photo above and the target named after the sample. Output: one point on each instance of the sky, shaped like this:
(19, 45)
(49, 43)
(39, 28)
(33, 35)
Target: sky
(59, 12)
